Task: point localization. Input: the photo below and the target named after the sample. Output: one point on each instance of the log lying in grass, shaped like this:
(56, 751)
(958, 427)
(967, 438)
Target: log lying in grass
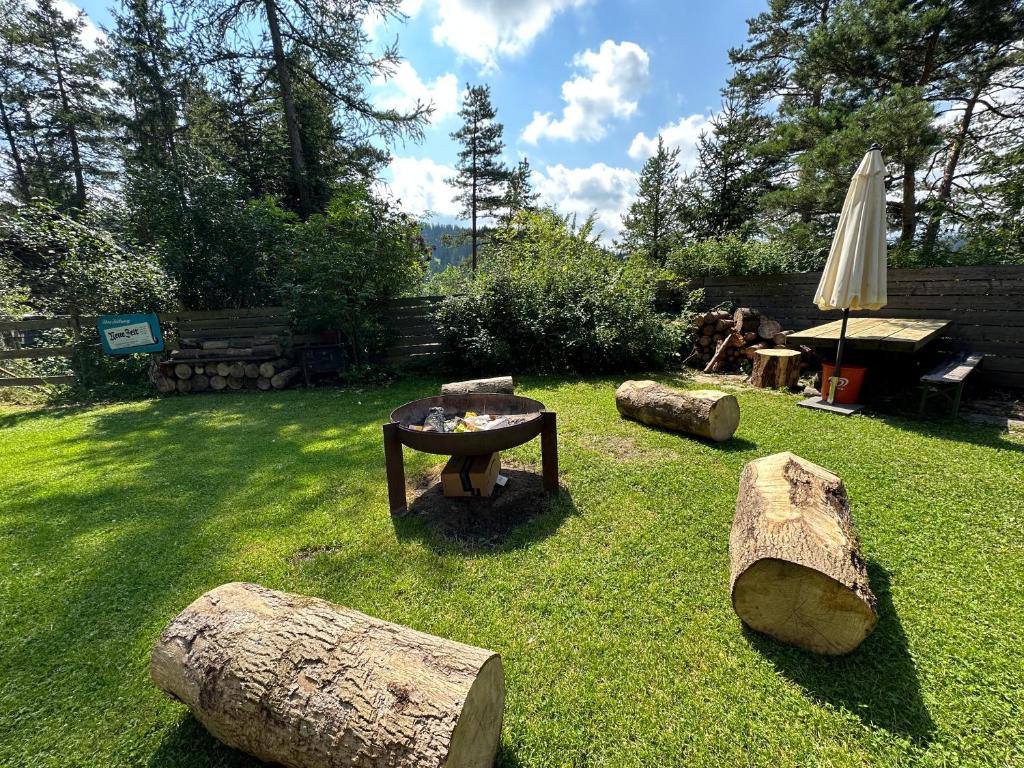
(775, 368)
(797, 569)
(702, 412)
(284, 378)
(502, 385)
(302, 682)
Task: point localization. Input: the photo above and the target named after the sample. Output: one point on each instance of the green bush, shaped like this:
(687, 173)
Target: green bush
(548, 298)
(345, 263)
(733, 256)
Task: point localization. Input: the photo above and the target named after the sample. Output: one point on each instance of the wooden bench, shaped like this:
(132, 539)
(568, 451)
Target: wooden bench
(948, 375)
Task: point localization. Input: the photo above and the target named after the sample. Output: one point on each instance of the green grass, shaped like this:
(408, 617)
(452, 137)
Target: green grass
(611, 610)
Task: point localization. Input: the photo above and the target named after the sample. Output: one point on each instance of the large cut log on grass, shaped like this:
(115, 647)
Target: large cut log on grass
(308, 684)
(797, 569)
(501, 385)
(775, 368)
(703, 412)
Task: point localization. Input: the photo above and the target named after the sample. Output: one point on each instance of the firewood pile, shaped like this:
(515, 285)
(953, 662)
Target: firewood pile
(201, 365)
(724, 341)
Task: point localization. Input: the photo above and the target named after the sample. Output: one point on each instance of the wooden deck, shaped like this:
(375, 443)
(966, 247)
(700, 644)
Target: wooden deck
(881, 333)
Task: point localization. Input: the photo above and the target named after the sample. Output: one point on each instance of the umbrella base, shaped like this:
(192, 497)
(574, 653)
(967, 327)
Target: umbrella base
(843, 409)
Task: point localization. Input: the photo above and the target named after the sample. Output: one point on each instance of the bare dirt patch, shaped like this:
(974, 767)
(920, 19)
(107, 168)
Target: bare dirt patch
(479, 521)
(623, 448)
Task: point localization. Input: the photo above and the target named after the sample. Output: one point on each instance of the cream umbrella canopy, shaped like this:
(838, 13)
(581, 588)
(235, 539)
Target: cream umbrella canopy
(855, 273)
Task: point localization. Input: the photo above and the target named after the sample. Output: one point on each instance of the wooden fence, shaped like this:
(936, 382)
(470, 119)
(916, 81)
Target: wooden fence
(414, 336)
(218, 323)
(986, 305)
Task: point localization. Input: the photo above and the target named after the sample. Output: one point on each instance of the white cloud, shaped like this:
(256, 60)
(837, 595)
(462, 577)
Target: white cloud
(404, 88)
(682, 134)
(597, 188)
(484, 30)
(420, 186)
(91, 34)
(608, 87)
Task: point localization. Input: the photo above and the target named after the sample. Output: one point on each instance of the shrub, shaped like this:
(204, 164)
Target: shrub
(345, 263)
(733, 256)
(548, 298)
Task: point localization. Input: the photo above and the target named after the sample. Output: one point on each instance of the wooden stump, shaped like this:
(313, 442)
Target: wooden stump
(776, 368)
(308, 684)
(702, 412)
(501, 385)
(797, 569)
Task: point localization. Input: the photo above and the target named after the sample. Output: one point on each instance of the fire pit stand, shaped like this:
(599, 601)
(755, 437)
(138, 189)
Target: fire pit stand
(528, 419)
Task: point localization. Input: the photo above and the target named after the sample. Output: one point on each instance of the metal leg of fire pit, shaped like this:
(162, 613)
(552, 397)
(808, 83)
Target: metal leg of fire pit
(549, 451)
(394, 466)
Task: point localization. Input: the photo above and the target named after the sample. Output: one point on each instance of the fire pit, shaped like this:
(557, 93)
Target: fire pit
(526, 418)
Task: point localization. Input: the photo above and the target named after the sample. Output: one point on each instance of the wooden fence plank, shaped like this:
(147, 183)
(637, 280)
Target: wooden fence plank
(35, 352)
(35, 381)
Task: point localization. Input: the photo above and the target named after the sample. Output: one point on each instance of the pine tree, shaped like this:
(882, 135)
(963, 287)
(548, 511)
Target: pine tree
(734, 171)
(482, 176)
(307, 45)
(652, 225)
(72, 116)
(519, 193)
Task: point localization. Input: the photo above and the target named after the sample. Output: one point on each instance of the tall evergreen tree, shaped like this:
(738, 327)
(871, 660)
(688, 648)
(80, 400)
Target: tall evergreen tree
(519, 193)
(322, 45)
(735, 170)
(482, 176)
(652, 224)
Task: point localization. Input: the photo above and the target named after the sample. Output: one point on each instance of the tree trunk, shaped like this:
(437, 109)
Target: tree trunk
(909, 206)
(775, 369)
(309, 684)
(945, 191)
(473, 202)
(502, 385)
(291, 117)
(797, 569)
(21, 180)
(702, 412)
(69, 129)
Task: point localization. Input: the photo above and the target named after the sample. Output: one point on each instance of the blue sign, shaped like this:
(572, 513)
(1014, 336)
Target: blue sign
(128, 334)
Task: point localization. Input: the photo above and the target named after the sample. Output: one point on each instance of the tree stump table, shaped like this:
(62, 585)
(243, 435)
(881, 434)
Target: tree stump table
(775, 369)
(528, 418)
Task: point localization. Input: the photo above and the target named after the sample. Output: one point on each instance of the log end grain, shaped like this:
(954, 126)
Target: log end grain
(797, 572)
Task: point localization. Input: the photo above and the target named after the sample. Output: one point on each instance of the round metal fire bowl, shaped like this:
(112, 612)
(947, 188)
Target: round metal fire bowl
(469, 443)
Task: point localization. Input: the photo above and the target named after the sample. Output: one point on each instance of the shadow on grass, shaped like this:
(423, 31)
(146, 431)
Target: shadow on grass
(516, 516)
(732, 445)
(182, 743)
(982, 435)
(877, 682)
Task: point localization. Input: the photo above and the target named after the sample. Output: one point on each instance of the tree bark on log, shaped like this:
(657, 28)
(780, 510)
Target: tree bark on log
(702, 412)
(309, 684)
(775, 369)
(284, 378)
(502, 385)
(797, 572)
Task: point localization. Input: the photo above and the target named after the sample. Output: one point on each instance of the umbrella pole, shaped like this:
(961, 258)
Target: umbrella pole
(834, 379)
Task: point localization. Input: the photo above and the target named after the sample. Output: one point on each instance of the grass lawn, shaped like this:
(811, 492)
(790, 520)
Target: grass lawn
(610, 610)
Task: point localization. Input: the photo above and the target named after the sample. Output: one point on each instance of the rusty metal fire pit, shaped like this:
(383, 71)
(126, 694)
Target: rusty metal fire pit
(528, 419)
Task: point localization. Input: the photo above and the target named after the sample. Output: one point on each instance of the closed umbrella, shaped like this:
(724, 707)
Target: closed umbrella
(854, 276)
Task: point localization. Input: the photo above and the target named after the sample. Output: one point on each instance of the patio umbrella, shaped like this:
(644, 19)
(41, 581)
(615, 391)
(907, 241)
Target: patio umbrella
(854, 276)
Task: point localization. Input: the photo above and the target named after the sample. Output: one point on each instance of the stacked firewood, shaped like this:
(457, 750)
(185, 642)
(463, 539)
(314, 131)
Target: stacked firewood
(724, 340)
(226, 364)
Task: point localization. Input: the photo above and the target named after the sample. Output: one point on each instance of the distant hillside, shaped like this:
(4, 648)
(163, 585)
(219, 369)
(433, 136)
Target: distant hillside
(445, 255)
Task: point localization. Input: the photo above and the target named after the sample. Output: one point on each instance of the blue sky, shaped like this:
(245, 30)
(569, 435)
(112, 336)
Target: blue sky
(583, 88)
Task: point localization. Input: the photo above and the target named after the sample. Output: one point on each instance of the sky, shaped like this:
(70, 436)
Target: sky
(583, 88)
